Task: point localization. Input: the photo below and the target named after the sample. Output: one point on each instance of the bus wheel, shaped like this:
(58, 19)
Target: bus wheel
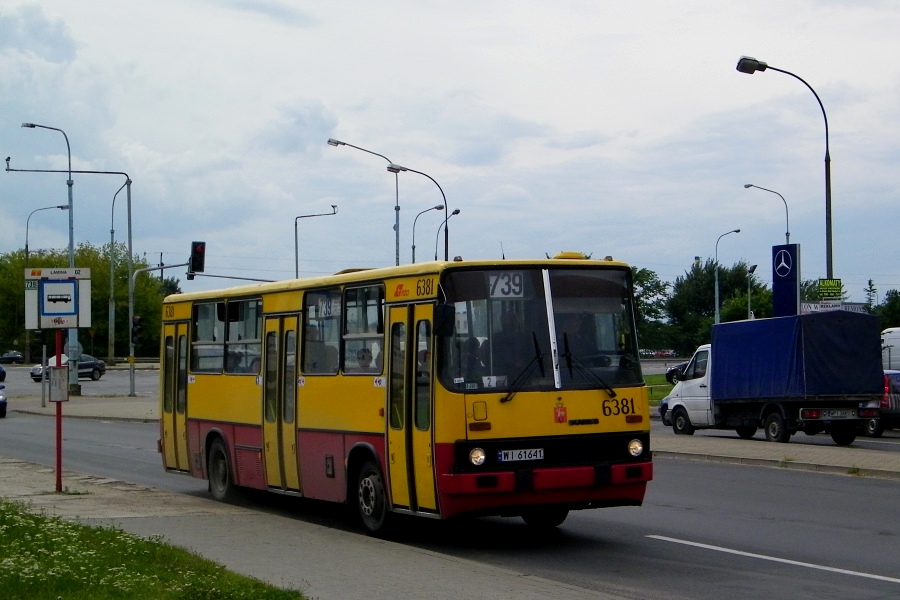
(371, 502)
(221, 483)
(775, 429)
(745, 432)
(545, 518)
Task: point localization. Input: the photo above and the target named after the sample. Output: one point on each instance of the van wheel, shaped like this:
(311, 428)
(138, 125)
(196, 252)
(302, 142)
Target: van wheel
(745, 432)
(218, 466)
(371, 499)
(681, 424)
(775, 429)
(874, 428)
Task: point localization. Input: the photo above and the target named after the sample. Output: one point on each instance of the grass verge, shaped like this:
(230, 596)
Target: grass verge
(658, 388)
(49, 557)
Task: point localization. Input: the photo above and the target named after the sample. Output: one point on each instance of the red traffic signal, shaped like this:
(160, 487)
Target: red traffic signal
(198, 257)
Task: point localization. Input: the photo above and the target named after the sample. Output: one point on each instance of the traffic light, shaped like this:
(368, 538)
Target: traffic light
(198, 257)
(136, 329)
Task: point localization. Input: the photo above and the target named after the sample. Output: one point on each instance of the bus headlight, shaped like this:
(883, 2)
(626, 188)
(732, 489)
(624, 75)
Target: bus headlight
(635, 447)
(476, 456)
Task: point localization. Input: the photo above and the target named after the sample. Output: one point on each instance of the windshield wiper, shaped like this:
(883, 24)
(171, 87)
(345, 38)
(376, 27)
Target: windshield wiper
(582, 369)
(536, 363)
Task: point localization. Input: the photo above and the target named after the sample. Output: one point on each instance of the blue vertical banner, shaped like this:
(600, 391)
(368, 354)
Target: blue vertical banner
(786, 280)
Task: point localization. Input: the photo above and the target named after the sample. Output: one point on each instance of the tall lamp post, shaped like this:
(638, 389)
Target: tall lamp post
(73, 333)
(787, 222)
(438, 236)
(27, 221)
(335, 143)
(296, 241)
(438, 207)
(750, 65)
(717, 269)
(394, 168)
(127, 186)
(749, 279)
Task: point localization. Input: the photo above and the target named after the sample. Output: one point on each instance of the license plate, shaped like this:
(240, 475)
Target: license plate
(839, 414)
(529, 454)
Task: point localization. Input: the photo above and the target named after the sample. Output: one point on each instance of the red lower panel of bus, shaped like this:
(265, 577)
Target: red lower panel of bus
(581, 486)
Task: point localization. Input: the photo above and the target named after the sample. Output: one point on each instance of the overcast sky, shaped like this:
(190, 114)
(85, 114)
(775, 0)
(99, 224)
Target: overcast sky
(612, 128)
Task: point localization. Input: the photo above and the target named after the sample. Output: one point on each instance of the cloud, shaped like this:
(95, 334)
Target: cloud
(26, 29)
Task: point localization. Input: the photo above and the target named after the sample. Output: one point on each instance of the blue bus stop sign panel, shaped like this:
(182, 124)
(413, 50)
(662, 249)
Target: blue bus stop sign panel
(786, 280)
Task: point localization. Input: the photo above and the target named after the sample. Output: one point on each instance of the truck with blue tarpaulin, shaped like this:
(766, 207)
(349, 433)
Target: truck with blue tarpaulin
(814, 373)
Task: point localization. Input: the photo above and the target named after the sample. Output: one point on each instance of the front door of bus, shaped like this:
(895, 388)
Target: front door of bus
(174, 414)
(410, 408)
(280, 402)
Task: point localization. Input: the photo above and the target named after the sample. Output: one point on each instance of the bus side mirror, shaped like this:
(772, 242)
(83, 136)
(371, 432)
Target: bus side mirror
(444, 320)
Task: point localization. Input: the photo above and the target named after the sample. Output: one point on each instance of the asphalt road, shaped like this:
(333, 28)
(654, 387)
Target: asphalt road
(706, 531)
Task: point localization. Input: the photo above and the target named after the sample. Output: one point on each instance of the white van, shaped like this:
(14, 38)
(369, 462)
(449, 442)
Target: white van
(890, 348)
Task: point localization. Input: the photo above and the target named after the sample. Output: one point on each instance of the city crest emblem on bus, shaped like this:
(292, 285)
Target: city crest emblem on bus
(560, 415)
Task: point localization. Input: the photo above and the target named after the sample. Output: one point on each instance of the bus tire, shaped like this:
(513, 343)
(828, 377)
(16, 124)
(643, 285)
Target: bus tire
(775, 429)
(681, 423)
(546, 517)
(221, 479)
(371, 499)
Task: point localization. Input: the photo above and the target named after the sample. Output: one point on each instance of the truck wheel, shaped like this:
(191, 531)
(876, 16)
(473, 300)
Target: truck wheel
(874, 428)
(775, 429)
(681, 424)
(745, 432)
(843, 436)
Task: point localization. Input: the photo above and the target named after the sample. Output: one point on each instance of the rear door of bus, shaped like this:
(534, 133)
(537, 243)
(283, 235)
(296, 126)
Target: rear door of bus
(410, 408)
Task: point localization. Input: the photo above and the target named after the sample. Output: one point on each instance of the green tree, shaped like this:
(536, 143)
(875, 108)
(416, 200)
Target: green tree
(148, 298)
(691, 306)
(650, 297)
(889, 309)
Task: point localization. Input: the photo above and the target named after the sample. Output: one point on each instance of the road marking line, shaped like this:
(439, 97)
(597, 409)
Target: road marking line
(774, 559)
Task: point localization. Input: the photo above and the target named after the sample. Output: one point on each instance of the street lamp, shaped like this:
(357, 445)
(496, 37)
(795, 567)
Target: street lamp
(73, 333)
(438, 207)
(297, 243)
(749, 66)
(393, 168)
(436, 237)
(787, 224)
(27, 221)
(749, 278)
(717, 269)
(336, 143)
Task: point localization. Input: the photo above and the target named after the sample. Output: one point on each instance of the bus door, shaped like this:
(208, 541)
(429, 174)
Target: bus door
(410, 408)
(174, 413)
(280, 402)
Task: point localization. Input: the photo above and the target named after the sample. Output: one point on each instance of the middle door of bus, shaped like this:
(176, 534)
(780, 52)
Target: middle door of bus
(410, 408)
(280, 402)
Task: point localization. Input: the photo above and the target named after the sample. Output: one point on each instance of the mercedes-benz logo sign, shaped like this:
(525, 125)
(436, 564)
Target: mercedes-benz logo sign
(783, 263)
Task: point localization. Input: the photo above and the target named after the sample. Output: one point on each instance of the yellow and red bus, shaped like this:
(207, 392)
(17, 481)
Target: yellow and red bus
(436, 389)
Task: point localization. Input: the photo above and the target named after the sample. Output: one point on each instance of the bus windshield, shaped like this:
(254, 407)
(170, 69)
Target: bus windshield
(537, 329)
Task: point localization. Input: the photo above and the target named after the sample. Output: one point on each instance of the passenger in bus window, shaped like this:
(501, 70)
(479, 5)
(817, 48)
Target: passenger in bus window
(576, 333)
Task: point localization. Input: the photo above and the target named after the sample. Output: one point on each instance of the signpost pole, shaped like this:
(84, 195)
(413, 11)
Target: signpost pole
(59, 342)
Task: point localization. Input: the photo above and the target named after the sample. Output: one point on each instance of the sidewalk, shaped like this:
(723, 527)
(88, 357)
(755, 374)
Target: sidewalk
(317, 559)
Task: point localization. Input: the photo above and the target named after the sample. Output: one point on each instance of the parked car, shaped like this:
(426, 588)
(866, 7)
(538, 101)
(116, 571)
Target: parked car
(88, 366)
(674, 372)
(889, 407)
(2, 373)
(2, 402)
(12, 357)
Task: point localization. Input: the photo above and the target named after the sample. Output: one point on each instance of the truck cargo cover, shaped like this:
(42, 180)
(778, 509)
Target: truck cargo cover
(820, 354)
